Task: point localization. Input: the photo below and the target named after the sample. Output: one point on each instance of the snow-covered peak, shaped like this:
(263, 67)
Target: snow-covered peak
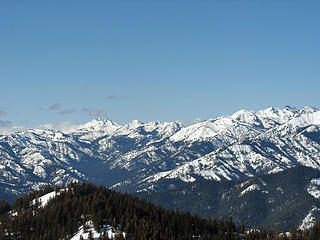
(202, 130)
(308, 109)
(96, 128)
(231, 125)
(271, 117)
(98, 124)
(242, 122)
(133, 124)
(309, 118)
(36, 136)
(151, 126)
(53, 134)
(137, 128)
(168, 128)
(130, 128)
(248, 117)
(162, 127)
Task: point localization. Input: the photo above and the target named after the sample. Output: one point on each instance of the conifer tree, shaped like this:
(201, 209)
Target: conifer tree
(90, 237)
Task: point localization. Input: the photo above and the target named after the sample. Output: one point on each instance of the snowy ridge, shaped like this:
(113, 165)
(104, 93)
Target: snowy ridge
(310, 219)
(266, 119)
(250, 188)
(95, 129)
(286, 145)
(137, 156)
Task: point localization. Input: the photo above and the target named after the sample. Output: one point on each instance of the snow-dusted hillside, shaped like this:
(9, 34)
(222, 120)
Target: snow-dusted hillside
(139, 156)
(108, 230)
(272, 201)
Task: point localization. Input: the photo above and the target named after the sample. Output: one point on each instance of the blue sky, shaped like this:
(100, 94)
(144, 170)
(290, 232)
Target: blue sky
(71, 61)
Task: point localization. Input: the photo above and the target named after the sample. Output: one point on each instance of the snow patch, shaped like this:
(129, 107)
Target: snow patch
(314, 188)
(95, 235)
(310, 220)
(249, 189)
(43, 200)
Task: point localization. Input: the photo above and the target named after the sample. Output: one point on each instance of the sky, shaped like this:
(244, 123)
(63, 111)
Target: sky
(67, 62)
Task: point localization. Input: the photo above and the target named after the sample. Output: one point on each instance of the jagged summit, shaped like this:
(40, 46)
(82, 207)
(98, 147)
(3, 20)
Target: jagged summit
(95, 128)
(98, 124)
(243, 122)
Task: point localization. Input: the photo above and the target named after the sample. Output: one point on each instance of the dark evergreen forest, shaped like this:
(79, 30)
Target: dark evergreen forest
(139, 219)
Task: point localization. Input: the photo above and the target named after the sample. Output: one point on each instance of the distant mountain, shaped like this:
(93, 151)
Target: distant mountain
(161, 155)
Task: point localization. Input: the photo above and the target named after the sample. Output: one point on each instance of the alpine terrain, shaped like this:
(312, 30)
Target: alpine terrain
(159, 156)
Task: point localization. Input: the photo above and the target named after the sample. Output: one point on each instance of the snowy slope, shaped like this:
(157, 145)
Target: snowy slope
(294, 140)
(310, 219)
(107, 229)
(43, 200)
(288, 145)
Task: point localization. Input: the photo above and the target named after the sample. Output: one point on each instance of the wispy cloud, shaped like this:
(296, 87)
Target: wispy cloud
(194, 121)
(64, 126)
(95, 112)
(67, 111)
(5, 123)
(8, 129)
(198, 119)
(112, 97)
(52, 107)
(55, 106)
(2, 113)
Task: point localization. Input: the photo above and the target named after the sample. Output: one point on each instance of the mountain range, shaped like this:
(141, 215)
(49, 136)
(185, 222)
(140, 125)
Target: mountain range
(154, 156)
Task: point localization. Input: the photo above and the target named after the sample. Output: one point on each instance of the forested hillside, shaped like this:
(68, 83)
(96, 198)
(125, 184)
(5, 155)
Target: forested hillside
(34, 217)
(61, 217)
(273, 201)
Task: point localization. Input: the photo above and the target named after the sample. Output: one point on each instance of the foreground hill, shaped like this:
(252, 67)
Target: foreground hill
(67, 213)
(84, 211)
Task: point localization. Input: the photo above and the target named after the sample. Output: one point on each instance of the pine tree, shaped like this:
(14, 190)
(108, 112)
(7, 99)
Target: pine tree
(90, 237)
(105, 235)
(4, 207)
